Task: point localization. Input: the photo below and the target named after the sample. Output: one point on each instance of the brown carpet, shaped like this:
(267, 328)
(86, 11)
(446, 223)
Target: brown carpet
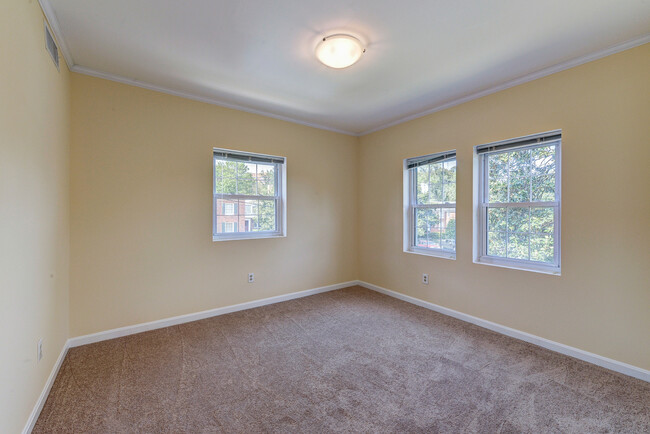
(345, 361)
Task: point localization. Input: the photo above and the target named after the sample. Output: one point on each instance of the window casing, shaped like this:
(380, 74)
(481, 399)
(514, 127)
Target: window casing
(249, 195)
(430, 205)
(519, 203)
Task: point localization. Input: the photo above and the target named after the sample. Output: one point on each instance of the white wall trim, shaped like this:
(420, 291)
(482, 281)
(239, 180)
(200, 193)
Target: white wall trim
(214, 101)
(138, 328)
(56, 29)
(592, 358)
(614, 365)
(143, 327)
(517, 81)
(36, 411)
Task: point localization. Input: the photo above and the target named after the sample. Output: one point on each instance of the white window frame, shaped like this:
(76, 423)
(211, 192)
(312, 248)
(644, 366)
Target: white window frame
(410, 206)
(280, 198)
(481, 205)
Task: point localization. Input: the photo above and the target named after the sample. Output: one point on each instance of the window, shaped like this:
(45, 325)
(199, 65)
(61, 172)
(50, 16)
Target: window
(249, 195)
(519, 203)
(430, 205)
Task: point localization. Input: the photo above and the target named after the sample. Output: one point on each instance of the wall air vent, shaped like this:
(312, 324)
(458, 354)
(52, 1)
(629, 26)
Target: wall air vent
(50, 45)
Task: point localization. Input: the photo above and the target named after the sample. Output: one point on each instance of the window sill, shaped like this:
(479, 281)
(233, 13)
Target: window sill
(435, 253)
(514, 265)
(245, 236)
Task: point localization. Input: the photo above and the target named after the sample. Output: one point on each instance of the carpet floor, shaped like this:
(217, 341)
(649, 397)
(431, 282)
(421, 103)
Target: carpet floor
(344, 361)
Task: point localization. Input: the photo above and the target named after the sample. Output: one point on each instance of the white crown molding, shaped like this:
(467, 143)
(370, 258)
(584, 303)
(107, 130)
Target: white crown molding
(214, 101)
(56, 29)
(36, 411)
(511, 83)
(517, 81)
(153, 325)
(51, 19)
(595, 359)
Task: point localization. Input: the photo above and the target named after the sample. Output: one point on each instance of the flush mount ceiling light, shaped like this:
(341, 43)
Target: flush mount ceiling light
(339, 51)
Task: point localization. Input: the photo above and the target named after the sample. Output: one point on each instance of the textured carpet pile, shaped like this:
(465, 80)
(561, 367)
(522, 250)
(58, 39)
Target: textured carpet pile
(345, 361)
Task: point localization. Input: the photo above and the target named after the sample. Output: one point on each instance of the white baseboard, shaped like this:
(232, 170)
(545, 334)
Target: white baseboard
(33, 417)
(595, 359)
(614, 365)
(139, 328)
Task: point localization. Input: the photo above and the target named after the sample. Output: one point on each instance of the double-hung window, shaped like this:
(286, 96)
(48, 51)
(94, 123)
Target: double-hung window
(430, 205)
(249, 195)
(519, 203)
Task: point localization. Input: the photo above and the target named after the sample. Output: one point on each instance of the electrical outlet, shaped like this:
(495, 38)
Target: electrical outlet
(251, 277)
(39, 350)
(425, 278)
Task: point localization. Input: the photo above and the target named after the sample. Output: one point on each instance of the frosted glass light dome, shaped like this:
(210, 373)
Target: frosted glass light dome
(339, 51)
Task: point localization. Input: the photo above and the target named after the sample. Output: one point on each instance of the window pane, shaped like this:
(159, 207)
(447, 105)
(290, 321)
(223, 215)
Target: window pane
(250, 208)
(543, 160)
(251, 224)
(519, 189)
(225, 177)
(226, 207)
(435, 196)
(245, 178)
(541, 248)
(435, 228)
(448, 229)
(498, 166)
(498, 191)
(218, 185)
(544, 188)
(218, 168)
(266, 180)
(228, 186)
(498, 178)
(421, 227)
(430, 228)
(435, 186)
(518, 246)
(436, 183)
(496, 244)
(422, 183)
(542, 220)
(496, 219)
(518, 220)
(450, 171)
(266, 215)
(449, 190)
(227, 223)
(519, 163)
(434, 241)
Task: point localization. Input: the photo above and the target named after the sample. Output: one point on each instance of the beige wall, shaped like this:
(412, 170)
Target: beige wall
(141, 207)
(106, 188)
(34, 204)
(601, 303)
